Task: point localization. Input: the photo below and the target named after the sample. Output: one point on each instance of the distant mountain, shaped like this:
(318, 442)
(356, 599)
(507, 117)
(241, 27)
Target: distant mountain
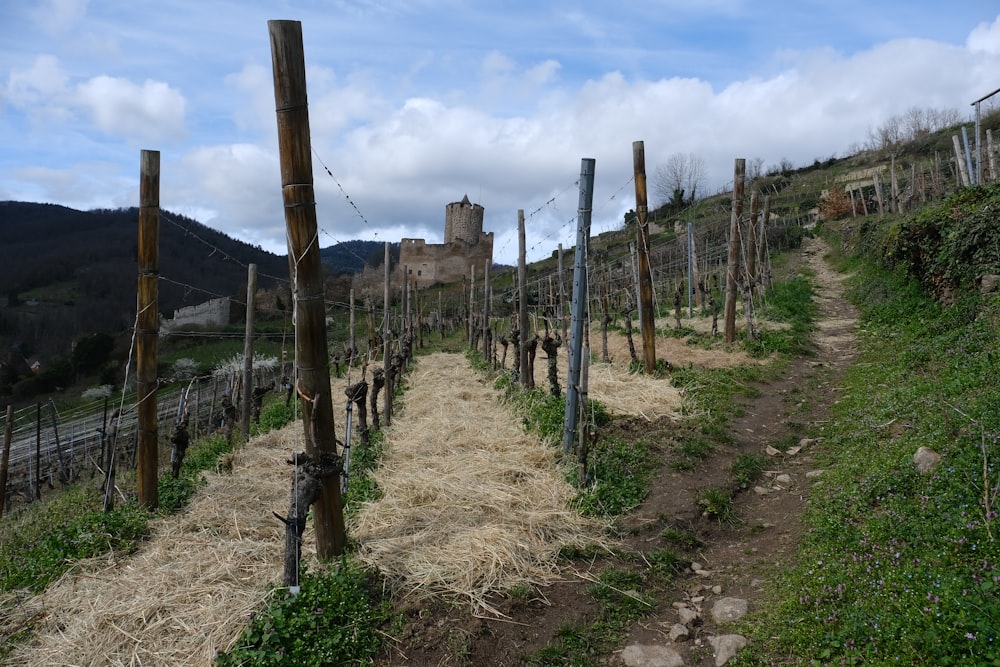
(351, 256)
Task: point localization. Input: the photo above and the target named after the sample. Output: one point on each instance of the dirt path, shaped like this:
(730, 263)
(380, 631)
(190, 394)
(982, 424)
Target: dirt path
(733, 562)
(738, 562)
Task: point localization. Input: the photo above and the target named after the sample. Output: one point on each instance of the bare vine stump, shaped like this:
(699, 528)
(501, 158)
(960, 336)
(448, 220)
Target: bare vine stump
(551, 347)
(515, 341)
(503, 360)
(179, 441)
(257, 400)
(627, 317)
(307, 476)
(532, 349)
(378, 381)
(677, 307)
(358, 393)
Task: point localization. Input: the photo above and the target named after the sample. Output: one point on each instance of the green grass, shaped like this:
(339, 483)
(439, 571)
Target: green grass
(897, 567)
(333, 620)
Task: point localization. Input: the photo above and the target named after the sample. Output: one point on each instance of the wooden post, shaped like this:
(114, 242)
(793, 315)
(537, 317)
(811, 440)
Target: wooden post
(353, 338)
(752, 246)
(991, 156)
(646, 315)
(148, 329)
(8, 437)
(386, 342)
(487, 343)
(577, 330)
(563, 320)
(522, 300)
(739, 171)
(38, 451)
(248, 351)
(764, 257)
(294, 148)
(962, 171)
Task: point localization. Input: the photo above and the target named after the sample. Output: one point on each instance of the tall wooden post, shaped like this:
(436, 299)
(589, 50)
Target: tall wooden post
(752, 245)
(353, 338)
(522, 300)
(248, 350)
(147, 328)
(563, 320)
(487, 342)
(579, 307)
(294, 148)
(8, 437)
(646, 314)
(387, 342)
(739, 172)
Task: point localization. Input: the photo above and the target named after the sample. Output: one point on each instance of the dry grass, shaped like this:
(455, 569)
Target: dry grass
(188, 591)
(471, 504)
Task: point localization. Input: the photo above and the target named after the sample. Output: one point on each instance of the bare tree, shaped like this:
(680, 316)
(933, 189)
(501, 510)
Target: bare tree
(680, 178)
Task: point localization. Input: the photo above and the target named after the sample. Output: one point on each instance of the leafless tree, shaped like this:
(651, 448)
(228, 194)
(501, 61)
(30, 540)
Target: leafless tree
(680, 178)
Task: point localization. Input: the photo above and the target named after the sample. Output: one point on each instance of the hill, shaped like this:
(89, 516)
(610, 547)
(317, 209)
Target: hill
(351, 256)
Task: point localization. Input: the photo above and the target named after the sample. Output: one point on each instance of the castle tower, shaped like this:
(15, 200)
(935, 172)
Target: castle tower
(463, 221)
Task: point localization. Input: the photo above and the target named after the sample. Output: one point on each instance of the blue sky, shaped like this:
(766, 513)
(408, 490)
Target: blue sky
(414, 104)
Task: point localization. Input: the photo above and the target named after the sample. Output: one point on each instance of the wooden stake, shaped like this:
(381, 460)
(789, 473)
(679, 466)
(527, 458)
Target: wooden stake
(8, 437)
(248, 350)
(148, 329)
(739, 171)
(295, 153)
(646, 314)
(386, 343)
(522, 301)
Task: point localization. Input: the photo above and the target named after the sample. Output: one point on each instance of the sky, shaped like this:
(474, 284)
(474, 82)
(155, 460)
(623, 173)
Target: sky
(414, 104)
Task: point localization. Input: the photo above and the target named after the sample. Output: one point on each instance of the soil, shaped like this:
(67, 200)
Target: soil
(732, 559)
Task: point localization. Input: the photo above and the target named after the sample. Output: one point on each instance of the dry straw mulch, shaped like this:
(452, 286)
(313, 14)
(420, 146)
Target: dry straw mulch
(471, 504)
(190, 588)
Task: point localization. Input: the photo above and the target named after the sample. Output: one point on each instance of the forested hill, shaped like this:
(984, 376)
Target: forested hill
(65, 273)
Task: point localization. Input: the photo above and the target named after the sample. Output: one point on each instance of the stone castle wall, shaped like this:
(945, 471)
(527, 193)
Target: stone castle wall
(466, 246)
(210, 313)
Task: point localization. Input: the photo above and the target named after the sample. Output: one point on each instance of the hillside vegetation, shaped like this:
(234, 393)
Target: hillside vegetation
(899, 566)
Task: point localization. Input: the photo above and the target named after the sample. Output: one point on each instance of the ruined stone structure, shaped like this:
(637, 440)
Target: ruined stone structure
(210, 313)
(465, 245)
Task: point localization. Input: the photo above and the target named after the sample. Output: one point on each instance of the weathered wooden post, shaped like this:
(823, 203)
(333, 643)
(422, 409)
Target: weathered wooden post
(487, 339)
(729, 326)
(294, 148)
(563, 320)
(148, 329)
(646, 314)
(752, 244)
(386, 342)
(248, 350)
(579, 306)
(353, 338)
(8, 437)
(522, 301)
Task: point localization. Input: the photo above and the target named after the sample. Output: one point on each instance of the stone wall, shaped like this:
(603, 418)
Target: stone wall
(208, 314)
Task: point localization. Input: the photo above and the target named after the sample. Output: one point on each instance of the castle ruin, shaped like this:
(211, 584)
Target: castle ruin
(465, 246)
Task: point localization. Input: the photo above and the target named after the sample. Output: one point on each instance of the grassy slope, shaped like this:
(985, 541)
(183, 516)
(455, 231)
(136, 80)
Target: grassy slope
(899, 567)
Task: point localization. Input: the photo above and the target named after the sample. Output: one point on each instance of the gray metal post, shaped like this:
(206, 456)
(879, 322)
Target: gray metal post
(578, 308)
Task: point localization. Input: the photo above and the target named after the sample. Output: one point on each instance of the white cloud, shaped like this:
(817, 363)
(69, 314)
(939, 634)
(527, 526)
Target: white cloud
(58, 17)
(151, 112)
(39, 90)
(985, 37)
